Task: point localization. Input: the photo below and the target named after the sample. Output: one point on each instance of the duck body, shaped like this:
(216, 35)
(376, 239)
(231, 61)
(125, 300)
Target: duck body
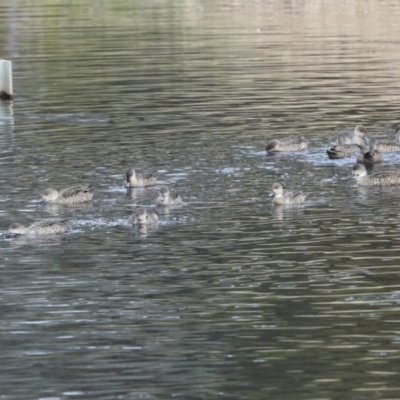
(49, 227)
(72, 195)
(298, 143)
(168, 197)
(136, 180)
(342, 151)
(377, 179)
(388, 146)
(143, 216)
(287, 197)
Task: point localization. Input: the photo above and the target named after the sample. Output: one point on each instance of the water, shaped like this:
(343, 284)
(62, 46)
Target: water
(226, 297)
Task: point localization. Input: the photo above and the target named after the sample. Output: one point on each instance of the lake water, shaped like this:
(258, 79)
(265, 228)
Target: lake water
(226, 297)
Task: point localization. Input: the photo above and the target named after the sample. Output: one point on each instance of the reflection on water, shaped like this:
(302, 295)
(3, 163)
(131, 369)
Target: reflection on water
(34, 240)
(283, 211)
(142, 193)
(59, 209)
(144, 230)
(227, 296)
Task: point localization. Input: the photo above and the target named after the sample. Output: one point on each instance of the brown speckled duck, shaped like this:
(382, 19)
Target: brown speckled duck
(136, 180)
(376, 179)
(298, 143)
(49, 227)
(72, 195)
(343, 150)
(287, 197)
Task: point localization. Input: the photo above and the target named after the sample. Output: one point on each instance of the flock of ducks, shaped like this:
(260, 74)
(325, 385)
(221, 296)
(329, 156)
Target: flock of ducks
(349, 143)
(81, 194)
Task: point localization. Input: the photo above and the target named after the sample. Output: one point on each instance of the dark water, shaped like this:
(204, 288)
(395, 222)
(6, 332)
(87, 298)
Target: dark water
(226, 297)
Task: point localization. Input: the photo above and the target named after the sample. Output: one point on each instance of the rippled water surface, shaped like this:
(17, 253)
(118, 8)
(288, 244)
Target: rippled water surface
(226, 297)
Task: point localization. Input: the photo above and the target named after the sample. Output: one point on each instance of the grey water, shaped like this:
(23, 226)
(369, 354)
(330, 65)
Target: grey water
(226, 297)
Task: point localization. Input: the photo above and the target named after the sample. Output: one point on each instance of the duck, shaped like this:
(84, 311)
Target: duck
(353, 137)
(72, 195)
(143, 216)
(388, 146)
(377, 179)
(168, 197)
(343, 150)
(286, 196)
(134, 179)
(370, 155)
(49, 227)
(297, 143)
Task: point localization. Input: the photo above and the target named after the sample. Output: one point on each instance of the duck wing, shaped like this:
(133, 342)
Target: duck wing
(295, 197)
(150, 175)
(51, 223)
(76, 191)
(48, 227)
(294, 139)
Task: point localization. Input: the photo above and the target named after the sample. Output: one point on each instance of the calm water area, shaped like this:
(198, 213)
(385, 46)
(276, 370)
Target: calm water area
(226, 297)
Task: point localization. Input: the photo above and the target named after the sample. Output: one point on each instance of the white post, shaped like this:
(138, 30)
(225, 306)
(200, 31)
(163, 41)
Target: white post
(6, 88)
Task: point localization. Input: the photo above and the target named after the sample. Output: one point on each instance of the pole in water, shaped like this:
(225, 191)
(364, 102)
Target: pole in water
(6, 88)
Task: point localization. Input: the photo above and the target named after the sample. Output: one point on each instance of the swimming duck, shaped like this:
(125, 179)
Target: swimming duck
(168, 197)
(134, 179)
(49, 227)
(353, 137)
(376, 179)
(387, 146)
(297, 143)
(72, 195)
(343, 150)
(370, 155)
(286, 196)
(143, 216)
